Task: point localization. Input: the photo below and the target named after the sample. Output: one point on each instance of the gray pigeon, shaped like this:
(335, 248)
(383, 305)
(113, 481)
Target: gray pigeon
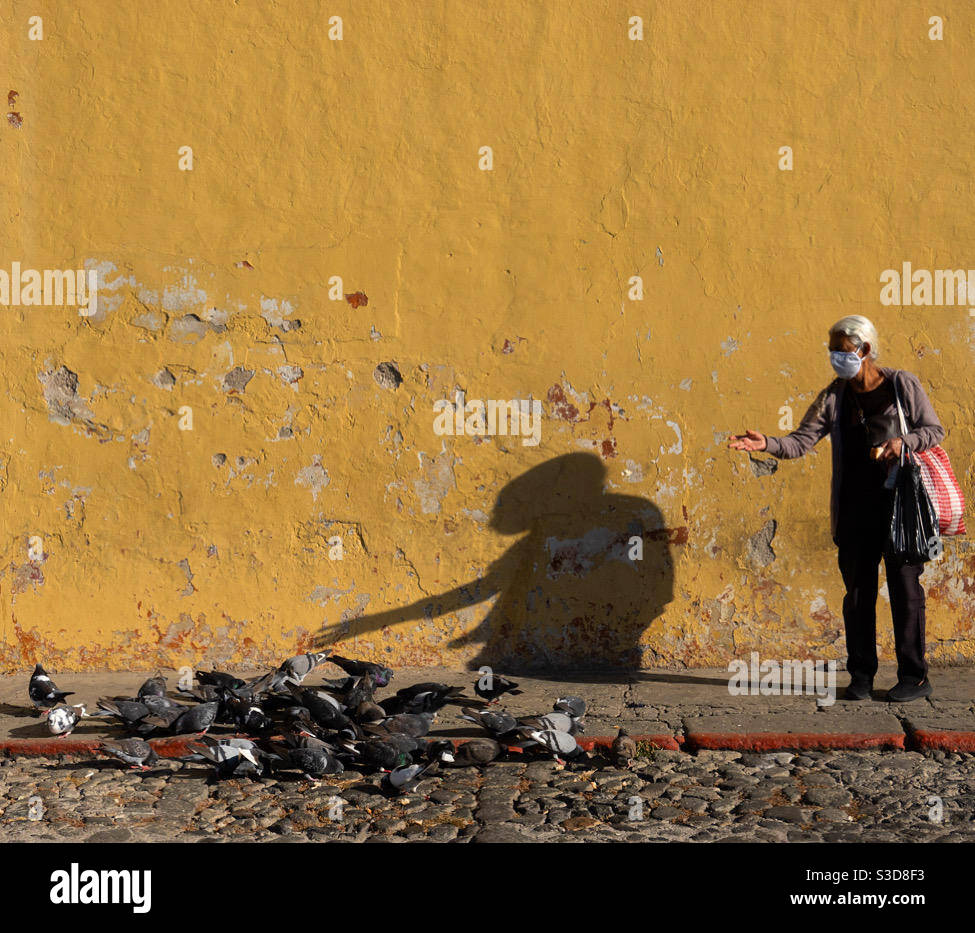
(574, 706)
(153, 687)
(130, 712)
(136, 753)
(312, 758)
(412, 724)
(496, 722)
(471, 752)
(157, 704)
(556, 722)
(196, 719)
(560, 744)
(142, 716)
(296, 669)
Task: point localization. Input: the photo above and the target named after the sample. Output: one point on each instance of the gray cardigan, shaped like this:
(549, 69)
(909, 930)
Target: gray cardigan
(822, 419)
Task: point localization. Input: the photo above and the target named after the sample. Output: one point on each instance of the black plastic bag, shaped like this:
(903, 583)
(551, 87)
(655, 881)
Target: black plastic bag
(914, 532)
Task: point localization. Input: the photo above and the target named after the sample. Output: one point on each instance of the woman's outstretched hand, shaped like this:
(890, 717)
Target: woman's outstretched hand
(750, 440)
(892, 450)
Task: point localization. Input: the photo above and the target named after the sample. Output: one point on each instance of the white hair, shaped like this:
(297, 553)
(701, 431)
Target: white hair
(860, 331)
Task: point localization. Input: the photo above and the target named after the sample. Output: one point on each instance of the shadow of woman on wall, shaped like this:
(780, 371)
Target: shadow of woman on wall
(589, 575)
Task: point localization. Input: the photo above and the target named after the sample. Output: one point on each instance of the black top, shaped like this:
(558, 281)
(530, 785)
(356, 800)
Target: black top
(863, 478)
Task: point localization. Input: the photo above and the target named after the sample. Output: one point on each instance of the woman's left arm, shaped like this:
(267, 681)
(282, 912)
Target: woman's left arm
(926, 430)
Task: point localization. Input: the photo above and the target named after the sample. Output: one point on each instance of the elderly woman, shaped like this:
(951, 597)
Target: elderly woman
(858, 411)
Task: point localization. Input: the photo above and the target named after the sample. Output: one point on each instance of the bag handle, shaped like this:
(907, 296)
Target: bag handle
(900, 415)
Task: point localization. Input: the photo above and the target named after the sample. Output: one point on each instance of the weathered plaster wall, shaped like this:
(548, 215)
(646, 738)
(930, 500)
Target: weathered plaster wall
(359, 158)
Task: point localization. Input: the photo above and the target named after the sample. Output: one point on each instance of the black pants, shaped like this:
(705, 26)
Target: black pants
(862, 540)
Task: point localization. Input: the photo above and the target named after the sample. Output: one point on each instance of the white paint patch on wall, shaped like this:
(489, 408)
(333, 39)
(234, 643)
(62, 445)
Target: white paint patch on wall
(184, 294)
(679, 446)
(314, 477)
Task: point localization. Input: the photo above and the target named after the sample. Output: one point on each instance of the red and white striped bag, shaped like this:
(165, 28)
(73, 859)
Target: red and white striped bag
(946, 496)
(940, 483)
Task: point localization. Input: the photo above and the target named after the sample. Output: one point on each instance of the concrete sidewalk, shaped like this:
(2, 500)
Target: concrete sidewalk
(688, 709)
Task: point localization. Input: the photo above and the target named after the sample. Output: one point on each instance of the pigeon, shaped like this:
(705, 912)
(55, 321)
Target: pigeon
(62, 719)
(414, 724)
(574, 706)
(229, 757)
(478, 752)
(339, 686)
(296, 669)
(497, 723)
(301, 739)
(406, 778)
(195, 719)
(555, 721)
(623, 748)
(441, 750)
(141, 716)
(384, 753)
(130, 712)
(136, 753)
(381, 675)
(367, 711)
(361, 690)
(314, 761)
(421, 698)
(268, 683)
(153, 687)
(206, 694)
(408, 693)
(499, 686)
(247, 716)
(219, 679)
(43, 692)
(158, 705)
(161, 718)
(298, 717)
(408, 744)
(471, 752)
(560, 744)
(323, 708)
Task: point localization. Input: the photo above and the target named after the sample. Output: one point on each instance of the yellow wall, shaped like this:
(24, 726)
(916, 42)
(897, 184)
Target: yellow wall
(359, 158)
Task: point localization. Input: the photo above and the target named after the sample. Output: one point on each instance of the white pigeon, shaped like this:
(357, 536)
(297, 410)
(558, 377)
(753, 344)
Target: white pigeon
(62, 719)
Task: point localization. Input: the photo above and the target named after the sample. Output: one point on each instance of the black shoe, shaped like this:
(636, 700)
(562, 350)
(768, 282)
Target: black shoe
(906, 690)
(859, 688)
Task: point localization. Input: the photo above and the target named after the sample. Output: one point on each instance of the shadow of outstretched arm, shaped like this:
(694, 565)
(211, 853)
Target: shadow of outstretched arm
(429, 607)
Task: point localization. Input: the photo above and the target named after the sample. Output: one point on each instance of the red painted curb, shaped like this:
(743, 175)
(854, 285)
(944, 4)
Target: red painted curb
(731, 741)
(948, 741)
(773, 741)
(50, 748)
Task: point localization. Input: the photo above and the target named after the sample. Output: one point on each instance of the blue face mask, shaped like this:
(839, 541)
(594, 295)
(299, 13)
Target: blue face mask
(846, 365)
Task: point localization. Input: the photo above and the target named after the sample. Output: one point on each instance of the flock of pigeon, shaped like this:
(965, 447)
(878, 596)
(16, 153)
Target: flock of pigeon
(283, 725)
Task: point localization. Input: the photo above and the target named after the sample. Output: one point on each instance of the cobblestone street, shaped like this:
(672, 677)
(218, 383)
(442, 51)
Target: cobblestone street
(703, 797)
